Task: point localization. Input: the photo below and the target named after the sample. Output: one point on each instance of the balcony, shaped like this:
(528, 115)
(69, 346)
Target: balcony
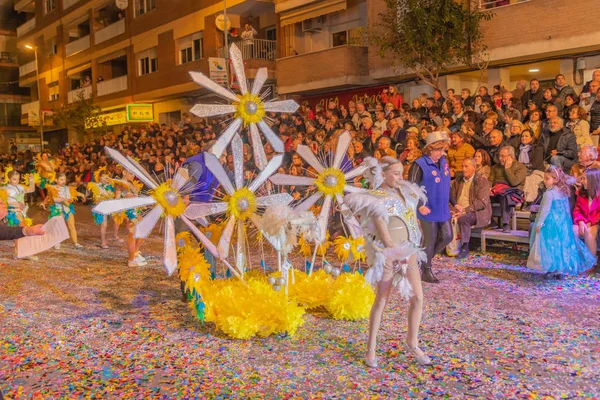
(25, 6)
(110, 31)
(7, 58)
(77, 46)
(26, 27)
(69, 3)
(256, 49)
(80, 94)
(112, 86)
(488, 4)
(34, 107)
(334, 67)
(27, 68)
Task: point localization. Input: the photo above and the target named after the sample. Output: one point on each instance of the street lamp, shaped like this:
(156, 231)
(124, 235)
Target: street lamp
(37, 78)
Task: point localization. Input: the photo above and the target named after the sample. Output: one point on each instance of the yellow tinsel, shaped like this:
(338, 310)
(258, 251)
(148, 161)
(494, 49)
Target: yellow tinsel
(304, 247)
(119, 217)
(351, 298)
(27, 222)
(4, 196)
(98, 194)
(7, 170)
(324, 246)
(342, 246)
(37, 179)
(51, 177)
(329, 173)
(242, 111)
(233, 204)
(159, 193)
(311, 291)
(193, 269)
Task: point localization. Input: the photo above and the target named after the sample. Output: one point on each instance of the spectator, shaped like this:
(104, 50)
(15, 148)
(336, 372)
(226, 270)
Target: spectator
(496, 143)
(562, 145)
(384, 144)
(515, 129)
(380, 121)
(595, 116)
(391, 95)
(520, 90)
(458, 151)
(586, 214)
(560, 83)
(595, 78)
(534, 123)
(482, 141)
(531, 155)
(483, 162)
(467, 99)
(533, 95)
(587, 159)
(470, 198)
(551, 99)
(410, 154)
(507, 180)
(570, 100)
(578, 125)
(361, 113)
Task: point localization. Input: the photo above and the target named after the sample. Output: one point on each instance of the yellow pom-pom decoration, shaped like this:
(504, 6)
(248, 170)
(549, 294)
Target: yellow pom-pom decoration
(27, 222)
(304, 247)
(98, 172)
(241, 204)
(331, 181)
(311, 291)
(213, 232)
(184, 240)
(7, 171)
(169, 199)
(342, 246)
(37, 179)
(357, 249)
(3, 196)
(324, 246)
(351, 298)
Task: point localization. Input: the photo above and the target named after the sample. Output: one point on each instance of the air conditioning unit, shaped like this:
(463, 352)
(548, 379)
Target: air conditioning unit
(312, 25)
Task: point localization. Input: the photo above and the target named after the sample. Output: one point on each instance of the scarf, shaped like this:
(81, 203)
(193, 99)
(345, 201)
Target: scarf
(524, 151)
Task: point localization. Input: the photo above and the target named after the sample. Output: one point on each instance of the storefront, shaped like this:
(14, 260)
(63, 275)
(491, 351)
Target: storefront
(368, 95)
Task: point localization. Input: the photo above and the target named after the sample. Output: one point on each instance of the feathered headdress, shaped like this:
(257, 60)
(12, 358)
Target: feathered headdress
(374, 171)
(7, 171)
(97, 173)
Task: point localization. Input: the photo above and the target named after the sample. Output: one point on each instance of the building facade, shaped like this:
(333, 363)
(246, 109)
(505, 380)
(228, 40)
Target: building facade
(139, 52)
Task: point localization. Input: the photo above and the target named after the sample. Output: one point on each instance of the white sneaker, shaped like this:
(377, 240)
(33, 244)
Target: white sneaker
(57, 247)
(136, 263)
(78, 246)
(139, 257)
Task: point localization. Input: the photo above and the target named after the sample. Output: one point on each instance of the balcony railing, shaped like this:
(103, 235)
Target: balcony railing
(77, 46)
(487, 4)
(78, 94)
(112, 86)
(110, 31)
(69, 3)
(258, 49)
(8, 58)
(26, 27)
(34, 106)
(27, 68)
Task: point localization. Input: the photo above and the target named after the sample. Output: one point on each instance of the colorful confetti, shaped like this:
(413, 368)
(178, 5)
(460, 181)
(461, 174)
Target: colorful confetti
(81, 324)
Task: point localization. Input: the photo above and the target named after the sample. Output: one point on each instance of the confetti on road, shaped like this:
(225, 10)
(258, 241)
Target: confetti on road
(84, 325)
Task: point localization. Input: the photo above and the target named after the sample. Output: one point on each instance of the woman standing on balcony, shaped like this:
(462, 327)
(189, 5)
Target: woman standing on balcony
(248, 38)
(391, 95)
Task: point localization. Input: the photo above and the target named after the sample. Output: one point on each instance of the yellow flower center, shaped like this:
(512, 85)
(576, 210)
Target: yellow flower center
(331, 181)
(169, 199)
(242, 204)
(250, 109)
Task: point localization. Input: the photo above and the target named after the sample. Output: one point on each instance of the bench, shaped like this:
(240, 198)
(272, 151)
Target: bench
(515, 235)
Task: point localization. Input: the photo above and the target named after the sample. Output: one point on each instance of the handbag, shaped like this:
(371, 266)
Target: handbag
(534, 261)
(453, 248)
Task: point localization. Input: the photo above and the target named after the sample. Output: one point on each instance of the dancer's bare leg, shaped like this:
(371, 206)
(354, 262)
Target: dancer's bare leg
(103, 227)
(415, 308)
(381, 299)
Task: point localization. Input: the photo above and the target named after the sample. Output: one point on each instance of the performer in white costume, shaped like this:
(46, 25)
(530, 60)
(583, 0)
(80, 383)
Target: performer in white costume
(392, 237)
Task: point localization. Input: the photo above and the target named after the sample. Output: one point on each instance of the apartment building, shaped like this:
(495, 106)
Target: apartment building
(323, 57)
(11, 95)
(133, 57)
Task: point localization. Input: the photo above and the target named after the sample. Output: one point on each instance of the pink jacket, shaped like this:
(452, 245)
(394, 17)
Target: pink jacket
(589, 214)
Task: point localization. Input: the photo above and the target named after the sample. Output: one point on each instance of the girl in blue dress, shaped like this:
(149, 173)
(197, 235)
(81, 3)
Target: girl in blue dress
(554, 248)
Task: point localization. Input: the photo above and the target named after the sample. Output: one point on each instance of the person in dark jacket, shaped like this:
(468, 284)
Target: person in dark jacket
(508, 174)
(496, 143)
(470, 200)
(595, 115)
(562, 145)
(530, 152)
(534, 94)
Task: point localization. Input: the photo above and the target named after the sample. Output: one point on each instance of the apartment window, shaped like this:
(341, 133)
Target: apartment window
(339, 39)
(51, 46)
(49, 5)
(191, 48)
(143, 6)
(147, 62)
(271, 33)
(53, 92)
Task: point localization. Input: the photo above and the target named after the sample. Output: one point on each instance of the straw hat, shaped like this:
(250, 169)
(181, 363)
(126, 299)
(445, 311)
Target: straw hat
(435, 137)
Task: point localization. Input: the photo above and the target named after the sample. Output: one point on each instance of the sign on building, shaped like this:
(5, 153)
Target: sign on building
(217, 68)
(140, 113)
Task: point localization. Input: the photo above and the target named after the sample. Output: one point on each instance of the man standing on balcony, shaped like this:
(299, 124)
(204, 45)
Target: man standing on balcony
(248, 38)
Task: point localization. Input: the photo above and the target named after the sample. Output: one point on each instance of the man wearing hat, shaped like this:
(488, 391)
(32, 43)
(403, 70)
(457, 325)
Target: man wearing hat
(432, 171)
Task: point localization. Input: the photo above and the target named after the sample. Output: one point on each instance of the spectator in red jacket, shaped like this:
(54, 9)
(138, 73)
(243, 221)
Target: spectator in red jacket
(391, 95)
(586, 214)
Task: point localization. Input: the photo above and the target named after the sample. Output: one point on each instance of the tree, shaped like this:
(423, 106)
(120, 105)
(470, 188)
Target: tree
(82, 116)
(429, 36)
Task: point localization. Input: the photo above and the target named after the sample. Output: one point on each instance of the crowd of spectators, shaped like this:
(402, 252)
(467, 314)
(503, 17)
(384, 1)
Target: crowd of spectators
(509, 137)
